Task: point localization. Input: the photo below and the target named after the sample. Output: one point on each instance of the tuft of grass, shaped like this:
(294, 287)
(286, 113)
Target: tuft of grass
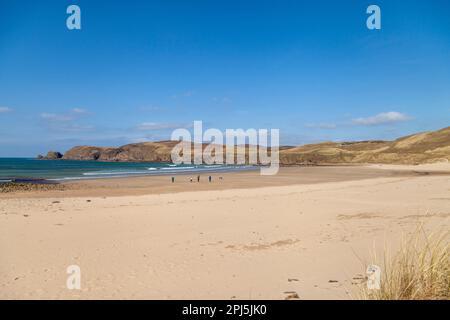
(420, 270)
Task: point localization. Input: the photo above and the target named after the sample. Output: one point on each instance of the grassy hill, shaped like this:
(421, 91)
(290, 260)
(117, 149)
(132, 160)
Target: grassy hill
(418, 148)
(423, 147)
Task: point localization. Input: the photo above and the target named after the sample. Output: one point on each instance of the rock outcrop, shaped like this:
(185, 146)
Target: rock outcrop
(145, 151)
(51, 155)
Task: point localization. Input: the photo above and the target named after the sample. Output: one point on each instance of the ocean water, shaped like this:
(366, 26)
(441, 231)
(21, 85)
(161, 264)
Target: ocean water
(59, 170)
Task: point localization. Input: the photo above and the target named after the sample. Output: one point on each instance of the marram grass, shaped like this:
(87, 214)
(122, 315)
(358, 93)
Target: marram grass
(420, 270)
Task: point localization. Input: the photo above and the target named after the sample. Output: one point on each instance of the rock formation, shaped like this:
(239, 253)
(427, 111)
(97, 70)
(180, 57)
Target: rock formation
(51, 155)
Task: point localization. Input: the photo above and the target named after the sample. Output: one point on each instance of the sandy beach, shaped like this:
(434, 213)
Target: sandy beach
(308, 230)
(145, 185)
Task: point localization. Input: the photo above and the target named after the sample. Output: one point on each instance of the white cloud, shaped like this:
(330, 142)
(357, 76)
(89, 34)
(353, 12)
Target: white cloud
(5, 109)
(152, 108)
(185, 94)
(153, 126)
(73, 127)
(66, 122)
(139, 140)
(382, 118)
(56, 117)
(79, 110)
(221, 99)
(322, 125)
(73, 114)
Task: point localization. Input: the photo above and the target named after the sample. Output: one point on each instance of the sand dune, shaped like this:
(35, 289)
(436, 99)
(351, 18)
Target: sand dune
(426, 147)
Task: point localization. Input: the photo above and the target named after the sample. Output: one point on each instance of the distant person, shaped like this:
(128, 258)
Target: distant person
(209, 178)
(198, 178)
(173, 179)
(191, 179)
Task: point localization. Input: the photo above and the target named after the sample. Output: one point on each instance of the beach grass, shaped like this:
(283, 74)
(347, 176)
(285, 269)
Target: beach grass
(419, 270)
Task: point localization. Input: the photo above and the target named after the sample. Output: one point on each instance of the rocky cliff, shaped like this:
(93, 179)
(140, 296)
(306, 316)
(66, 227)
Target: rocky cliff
(145, 151)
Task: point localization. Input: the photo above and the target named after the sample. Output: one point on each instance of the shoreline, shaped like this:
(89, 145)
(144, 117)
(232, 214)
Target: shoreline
(45, 180)
(242, 179)
(435, 168)
(39, 180)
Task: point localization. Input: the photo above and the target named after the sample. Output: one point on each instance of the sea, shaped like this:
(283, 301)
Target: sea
(29, 169)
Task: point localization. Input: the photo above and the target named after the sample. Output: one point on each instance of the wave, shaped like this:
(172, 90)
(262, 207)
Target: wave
(112, 173)
(152, 171)
(69, 178)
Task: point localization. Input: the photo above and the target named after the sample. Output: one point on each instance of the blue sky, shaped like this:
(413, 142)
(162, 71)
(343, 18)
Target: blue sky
(136, 70)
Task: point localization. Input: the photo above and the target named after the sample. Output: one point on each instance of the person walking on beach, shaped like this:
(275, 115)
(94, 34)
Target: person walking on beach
(209, 178)
(198, 178)
(191, 179)
(173, 179)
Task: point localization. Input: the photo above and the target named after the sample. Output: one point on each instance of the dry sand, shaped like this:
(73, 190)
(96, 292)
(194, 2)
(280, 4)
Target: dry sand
(437, 167)
(307, 230)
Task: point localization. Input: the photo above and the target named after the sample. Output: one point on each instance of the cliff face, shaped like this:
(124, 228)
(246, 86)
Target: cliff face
(146, 151)
(418, 148)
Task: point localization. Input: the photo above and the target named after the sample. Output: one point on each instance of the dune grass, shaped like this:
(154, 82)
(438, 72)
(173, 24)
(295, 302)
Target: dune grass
(420, 270)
